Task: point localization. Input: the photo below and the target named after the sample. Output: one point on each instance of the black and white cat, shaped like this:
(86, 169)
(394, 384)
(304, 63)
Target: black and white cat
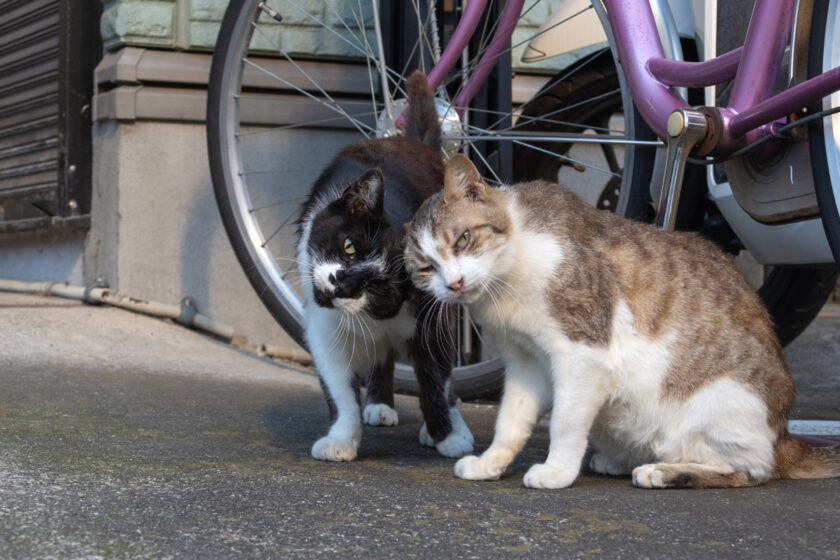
(362, 312)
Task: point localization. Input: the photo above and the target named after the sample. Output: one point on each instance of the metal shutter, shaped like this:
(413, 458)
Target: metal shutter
(47, 52)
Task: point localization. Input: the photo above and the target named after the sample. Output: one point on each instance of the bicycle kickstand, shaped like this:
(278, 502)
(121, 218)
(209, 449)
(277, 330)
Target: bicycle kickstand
(686, 129)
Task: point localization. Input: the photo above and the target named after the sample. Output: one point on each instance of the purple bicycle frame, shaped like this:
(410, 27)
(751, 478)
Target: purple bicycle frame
(754, 68)
(650, 76)
(463, 33)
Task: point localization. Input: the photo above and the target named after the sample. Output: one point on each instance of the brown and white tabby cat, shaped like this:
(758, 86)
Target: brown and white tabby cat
(647, 344)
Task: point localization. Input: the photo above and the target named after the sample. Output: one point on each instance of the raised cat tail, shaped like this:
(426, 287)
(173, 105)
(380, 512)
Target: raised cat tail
(797, 459)
(422, 120)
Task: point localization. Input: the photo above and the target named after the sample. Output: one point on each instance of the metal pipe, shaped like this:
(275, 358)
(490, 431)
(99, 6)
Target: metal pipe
(637, 39)
(696, 74)
(786, 102)
(770, 23)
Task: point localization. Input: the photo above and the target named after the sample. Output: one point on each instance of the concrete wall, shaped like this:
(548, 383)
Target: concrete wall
(156, 231)
(54, 256)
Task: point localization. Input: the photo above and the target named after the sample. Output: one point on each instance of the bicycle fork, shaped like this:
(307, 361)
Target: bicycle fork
(687, 128)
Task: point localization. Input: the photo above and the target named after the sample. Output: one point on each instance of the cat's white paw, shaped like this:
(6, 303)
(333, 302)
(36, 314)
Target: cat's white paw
(425, 438)
(331, 449)
(472, 467)
(602, 464)
(380, 414)
(456, 444)
(648, 476)
(543, 475)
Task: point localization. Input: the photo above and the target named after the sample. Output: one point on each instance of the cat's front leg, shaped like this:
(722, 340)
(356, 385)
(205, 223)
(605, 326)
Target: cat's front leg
(458, 443)
(434, 358)
(524, 400)
(580, 389)
(379, 408)
(342, 392)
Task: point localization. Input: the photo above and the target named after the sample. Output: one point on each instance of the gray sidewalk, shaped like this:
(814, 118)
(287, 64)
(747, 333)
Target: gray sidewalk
(128, 437)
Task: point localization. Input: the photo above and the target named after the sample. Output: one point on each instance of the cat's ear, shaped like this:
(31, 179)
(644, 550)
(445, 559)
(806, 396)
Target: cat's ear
(462, 180)
(366, 195)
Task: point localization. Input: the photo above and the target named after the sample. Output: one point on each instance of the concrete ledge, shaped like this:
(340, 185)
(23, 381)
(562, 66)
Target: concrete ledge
(135, 83)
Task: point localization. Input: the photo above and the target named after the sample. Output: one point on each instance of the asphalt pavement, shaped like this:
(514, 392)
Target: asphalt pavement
(124, 436)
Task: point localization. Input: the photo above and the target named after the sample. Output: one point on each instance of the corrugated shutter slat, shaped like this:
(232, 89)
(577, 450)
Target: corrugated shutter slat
(29, 105)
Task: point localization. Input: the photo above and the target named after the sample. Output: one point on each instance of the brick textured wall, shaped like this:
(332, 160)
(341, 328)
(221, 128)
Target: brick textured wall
(194, 24)
(149, 23)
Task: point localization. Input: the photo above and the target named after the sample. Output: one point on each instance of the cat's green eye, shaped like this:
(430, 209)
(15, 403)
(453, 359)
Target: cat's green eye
(349, 248)
(463, 241)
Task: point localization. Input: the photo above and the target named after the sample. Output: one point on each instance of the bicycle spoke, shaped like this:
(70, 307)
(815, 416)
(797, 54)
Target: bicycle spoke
(276, 204)
(609, 151)
(368, 48)
(567, 158)
(300, 125)
(577, 67)
(422, 36)
(333, 106)
(326, 27)
(307, 76)
(462, 73)
(560, 110)
(279, 228)
(487, 164)
(557, 138)
(531, 119)
(561, 137)
(550, 83)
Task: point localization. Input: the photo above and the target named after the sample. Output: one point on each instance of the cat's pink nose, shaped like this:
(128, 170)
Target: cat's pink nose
(456, 285)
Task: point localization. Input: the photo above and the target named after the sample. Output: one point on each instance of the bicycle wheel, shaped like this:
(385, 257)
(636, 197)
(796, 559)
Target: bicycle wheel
(824, 135)
(264, 100)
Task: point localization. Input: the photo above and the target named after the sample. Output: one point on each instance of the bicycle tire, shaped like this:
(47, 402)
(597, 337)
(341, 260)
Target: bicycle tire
(220, 169)
(825, 155)
(233, 196)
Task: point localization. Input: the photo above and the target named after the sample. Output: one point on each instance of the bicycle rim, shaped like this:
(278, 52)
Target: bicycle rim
(824, 136)
(271, 99)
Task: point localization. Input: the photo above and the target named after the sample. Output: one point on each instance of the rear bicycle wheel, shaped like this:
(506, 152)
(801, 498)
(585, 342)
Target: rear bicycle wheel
(824, 135)
(270, 103)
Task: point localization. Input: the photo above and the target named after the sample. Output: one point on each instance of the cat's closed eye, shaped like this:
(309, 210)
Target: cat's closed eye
(427, 268)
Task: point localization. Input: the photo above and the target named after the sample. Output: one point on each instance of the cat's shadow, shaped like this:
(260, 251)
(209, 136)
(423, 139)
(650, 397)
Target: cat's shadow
(294, 426)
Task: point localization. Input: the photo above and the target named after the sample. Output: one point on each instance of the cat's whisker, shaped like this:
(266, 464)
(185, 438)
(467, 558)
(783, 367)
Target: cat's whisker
(360, 330)
(477, 330)
(366, 329)
(509, 289)
(351, 337)
(429, 325)
(489, 289)
(444, 329)
(434, 326)
(335, 337)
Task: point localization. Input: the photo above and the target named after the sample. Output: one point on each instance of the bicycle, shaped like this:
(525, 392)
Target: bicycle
(589, 102)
